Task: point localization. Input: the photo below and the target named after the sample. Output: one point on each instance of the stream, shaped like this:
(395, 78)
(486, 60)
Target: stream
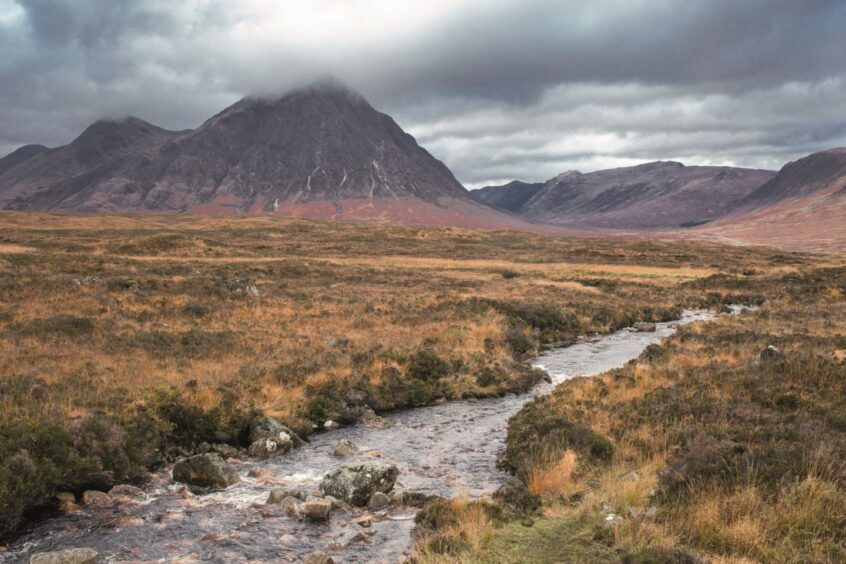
(448, 449)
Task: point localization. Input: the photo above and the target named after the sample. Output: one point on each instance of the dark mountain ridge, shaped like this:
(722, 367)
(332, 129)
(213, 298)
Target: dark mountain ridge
(321, 151)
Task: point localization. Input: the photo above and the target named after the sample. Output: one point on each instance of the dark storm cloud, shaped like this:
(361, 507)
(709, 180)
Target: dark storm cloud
(497, 89)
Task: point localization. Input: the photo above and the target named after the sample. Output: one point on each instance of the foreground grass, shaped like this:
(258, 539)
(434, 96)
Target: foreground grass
(122, 337)
(717, 452)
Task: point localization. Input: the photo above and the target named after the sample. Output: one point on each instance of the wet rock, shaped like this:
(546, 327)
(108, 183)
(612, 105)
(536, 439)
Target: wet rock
(318, 557)
(125, 492)
(330, 425)
(344, 447)
(265, 448)
(69, 556)
(356, 483)
(67, 502)
(317, 509)
(279, 494)
(223, 449)
(264, 427)
(361, 537)
(409, 498)
(365, 521)
(644, 327)
(370, 419)
(293, 508)
(378, 501)
(93, 498)
(207, 470)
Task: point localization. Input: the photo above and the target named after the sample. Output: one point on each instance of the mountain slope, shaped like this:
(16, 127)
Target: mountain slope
(320, 151)
(802, 208)
(659, 195)
(508, 197)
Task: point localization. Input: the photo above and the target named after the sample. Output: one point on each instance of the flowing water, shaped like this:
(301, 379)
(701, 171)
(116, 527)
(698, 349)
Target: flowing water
(448, 450)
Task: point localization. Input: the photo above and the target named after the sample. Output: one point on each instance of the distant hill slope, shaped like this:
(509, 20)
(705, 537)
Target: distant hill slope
(802, 208)
(508, 197)
(658, 195)
(320, 152)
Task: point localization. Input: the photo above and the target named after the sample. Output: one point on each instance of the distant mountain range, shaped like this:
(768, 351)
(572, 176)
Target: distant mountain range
(323, 152)
(319, 152)
(659, 195)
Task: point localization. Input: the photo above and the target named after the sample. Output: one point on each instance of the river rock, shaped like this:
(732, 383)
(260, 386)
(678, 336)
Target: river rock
(317, 509)
(378, 501)
(645, 327)
(265, 448)
(330, 425)
(344, 447)
(69, 556)
(370, 419)
(93, 498)
(279, 494)
(318, 557)
(356, 483)
(207, 470)
(264, 427)
(124, 492)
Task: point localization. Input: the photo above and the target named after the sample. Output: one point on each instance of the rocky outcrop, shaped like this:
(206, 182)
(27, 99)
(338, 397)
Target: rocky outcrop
(207, 470)
(356, 483)
(69, 556)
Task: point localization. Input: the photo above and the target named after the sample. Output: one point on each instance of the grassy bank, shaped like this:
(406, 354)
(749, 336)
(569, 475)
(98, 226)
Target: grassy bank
(702, 449)
(124, 336)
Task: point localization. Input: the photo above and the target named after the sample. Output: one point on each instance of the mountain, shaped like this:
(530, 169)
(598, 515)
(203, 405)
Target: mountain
(802, 208)
(508, 197)
(658, 195)
(319, 152)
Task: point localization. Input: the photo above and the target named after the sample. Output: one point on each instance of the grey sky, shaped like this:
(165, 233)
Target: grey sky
(497, 89)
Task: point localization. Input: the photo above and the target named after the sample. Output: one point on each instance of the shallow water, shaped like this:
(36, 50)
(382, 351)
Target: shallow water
(448, 449)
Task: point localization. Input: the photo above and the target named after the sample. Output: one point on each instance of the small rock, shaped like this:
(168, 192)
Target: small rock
(378, 500)
(124, 492)
(613, 519)
(370, 419)
(365, 521)
(292, 508)
(330, 425)
(361, 537)
(265, 448)
(207, 470)
(356, 483)
(344, 447)
(651, 512)
(69, 556)
(93, 498)
(258, 473)
(635, 512)
(318, 557)
(252, 290)
(644, 327)
(606, 507)
(279, 494)
(317, 509)
(66, 497)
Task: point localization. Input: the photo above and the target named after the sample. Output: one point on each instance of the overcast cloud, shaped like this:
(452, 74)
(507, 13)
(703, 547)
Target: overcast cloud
(497, 89)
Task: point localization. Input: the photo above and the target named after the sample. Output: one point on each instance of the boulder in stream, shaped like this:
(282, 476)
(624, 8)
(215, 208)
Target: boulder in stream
(124, 492)
(279, 494)
(317, 509)
(265, 448)
(206, 470)
(378, 501)
(644, 327)
(356, 483)
(93, 498)
(69, 556)
(264, 427)
(344, 447)
(318, 557)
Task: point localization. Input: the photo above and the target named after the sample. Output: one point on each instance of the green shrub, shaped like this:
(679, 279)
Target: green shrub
(427, 366)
